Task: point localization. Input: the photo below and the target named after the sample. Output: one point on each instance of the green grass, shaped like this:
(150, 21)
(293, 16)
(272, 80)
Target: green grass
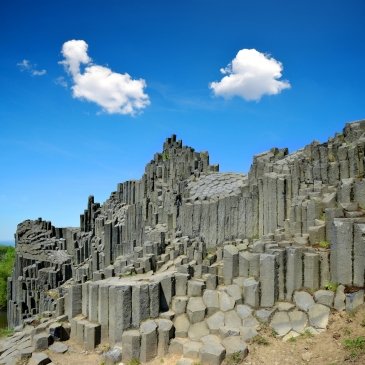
(356, 346)
(6, 332)
(7, 257)
(133, 362)
(260, 340)
(235, 358)
(306, 334)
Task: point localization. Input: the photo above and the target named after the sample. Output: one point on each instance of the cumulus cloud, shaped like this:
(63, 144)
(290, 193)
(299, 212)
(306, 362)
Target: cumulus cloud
(26, 65)
(251, 75)
(116, 93)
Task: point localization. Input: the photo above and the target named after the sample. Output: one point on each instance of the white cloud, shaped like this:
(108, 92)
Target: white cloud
(61, 81)
(116, 93)
(26, 65)
(250, 75)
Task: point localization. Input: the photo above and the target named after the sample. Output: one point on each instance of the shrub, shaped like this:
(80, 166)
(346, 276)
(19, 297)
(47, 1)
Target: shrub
(331, 286)
(6, 332)
(7, 257)
(324, 244)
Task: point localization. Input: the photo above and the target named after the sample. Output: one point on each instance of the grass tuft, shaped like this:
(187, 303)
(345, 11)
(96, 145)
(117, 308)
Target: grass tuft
(356, 346)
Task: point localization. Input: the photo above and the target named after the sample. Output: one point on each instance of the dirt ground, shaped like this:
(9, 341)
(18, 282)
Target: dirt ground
(326, 348)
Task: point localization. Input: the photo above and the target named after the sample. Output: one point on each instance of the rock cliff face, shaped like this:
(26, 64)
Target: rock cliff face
(295, 222)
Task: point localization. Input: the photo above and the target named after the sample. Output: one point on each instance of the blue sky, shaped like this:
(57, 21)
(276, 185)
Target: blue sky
(57, 149)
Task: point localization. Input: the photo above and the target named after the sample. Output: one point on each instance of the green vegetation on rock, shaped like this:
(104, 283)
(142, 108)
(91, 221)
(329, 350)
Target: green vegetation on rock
(7, 256)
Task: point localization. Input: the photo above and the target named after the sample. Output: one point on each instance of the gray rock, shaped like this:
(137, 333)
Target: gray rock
(303, 300)
(243, 311)
(191, 349)
(226, 302)
(232, 319)
(215, 322)
(210, 339)
(165, 333)
(39, 358)
(179, 304)
(263, 315)
(211, 300)
(251, 292)
(148, 331)
(235, 292)
(177, 345)
(284, 306)
(195, 288)
(131, 345)
(113, 356)
(324, 297)
(212, 354)
(250, 321)
(247, 333)
(182, 325)
(41, 341)
(196, 309)
(280, 323)
(353, 300)
(58, 347)
(340, 299)
(226, 331)
(298, 320)
(234, 345)
(198, 330)
(318, 315)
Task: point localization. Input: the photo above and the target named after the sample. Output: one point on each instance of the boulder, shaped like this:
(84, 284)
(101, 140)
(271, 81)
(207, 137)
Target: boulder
(318, 315)
(303, 300)
(280, 323)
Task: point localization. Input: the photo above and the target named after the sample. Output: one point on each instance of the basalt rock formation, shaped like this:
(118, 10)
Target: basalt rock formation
(190, 260)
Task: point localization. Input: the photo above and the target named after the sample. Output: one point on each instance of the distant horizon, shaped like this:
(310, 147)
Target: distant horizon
(7, 242)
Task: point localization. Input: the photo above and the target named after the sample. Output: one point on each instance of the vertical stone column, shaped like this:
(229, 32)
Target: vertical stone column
(103, 310)
(230, 263)
(120, 311)
(268, 280)
(342, 246)
(294, 271)
(167, 291)
(148, 341)
(93, 302)
(311, 270)
(165, 333)
(108, 242)
(73, 301)
(140, 304)
(131, 345)
(359, 254)
(154, 295)
(251, 292)
(324, 268)
(243, 263)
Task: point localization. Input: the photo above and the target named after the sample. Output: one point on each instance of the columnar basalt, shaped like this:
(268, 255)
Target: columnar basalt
(188, 259)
